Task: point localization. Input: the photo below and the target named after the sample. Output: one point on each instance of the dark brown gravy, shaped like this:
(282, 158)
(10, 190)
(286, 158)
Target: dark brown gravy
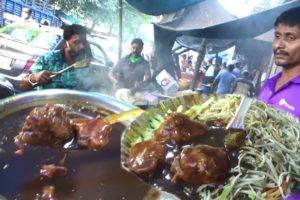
(214, 137)
(91, 174)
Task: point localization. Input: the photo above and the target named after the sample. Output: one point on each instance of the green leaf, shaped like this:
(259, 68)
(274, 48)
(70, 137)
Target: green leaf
(137, 140)
(252, 196)
(226, 191)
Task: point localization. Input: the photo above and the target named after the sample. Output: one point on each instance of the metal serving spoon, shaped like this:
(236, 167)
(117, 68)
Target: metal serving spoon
(237, 122)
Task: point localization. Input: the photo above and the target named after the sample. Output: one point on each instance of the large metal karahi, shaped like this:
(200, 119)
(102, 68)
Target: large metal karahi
(91, 174)
(256, 110)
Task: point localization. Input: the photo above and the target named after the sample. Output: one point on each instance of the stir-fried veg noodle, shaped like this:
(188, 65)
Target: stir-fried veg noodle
(214, 109)
(271, 154)
(268, 166)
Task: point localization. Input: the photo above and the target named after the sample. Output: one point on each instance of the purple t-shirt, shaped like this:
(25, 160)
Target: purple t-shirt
(286, 98)
(294, 196)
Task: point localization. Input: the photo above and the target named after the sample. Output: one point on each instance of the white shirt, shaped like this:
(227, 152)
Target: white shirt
(210, 71)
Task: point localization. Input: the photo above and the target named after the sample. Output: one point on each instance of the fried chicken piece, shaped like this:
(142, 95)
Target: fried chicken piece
(48, 193)
(201, 164)
(92, 133)
(52, 170)
(178, 129)
(45, 126)
(145, 157)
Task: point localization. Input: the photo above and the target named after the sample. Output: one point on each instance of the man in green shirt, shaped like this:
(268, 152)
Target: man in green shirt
(131, 74)
(75, 48)
(133, 70)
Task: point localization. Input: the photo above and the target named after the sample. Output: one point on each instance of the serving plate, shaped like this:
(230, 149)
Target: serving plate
(271, 152)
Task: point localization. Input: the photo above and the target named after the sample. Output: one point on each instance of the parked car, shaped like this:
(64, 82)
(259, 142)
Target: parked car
(21, 45)
(111, 44)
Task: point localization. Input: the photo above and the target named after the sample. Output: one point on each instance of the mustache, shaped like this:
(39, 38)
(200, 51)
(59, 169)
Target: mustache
(280, 52)
(78, 53)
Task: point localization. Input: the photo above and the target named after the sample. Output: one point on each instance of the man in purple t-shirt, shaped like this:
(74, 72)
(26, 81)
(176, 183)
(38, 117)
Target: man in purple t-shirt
(283, 90)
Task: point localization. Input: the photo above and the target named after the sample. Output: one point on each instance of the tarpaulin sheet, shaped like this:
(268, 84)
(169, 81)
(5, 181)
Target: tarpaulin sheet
(208, 19)
(159, 7)
(68, 19)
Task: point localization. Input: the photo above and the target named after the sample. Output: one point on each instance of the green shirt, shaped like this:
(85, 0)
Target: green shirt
(54, 61)
(127, 73)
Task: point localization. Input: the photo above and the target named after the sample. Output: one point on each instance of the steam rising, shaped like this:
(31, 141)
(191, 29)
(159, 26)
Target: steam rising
(94, 79)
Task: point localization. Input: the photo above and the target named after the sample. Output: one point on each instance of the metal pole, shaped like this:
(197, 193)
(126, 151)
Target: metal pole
(2, 3)
(120, 28)
(200, 58)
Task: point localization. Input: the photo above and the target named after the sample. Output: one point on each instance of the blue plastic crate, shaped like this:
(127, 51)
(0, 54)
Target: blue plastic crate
(46, 12)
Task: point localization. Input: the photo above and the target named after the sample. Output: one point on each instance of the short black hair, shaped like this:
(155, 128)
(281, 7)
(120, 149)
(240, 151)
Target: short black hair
(74, 29)
(289, 17)
(28, 10)
(45, 23)
(230, 67)
(246, 73)
(138, 41)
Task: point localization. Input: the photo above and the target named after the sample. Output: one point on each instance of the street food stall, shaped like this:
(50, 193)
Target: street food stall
(61, 144)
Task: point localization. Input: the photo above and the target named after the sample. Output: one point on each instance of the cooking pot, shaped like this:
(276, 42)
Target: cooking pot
(91, 174)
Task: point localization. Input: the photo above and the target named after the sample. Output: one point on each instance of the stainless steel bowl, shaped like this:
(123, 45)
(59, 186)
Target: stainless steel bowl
(91, 100)
(91, 174)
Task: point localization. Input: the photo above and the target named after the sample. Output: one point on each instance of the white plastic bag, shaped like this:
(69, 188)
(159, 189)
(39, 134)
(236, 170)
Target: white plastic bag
(167, 82)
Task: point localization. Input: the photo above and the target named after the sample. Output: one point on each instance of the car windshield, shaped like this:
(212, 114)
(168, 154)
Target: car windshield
(33, 36)
(46, 40)
(110, 44)
(98, 54)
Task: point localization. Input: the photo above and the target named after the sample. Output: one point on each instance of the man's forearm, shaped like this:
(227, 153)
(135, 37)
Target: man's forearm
(27, 82)
(111, 77)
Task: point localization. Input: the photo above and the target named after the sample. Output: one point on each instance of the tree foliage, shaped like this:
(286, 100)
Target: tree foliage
(105, 13)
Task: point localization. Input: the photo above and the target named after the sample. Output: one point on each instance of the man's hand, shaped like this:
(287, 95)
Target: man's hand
(32, 80)
(115, 84)
(42, 77)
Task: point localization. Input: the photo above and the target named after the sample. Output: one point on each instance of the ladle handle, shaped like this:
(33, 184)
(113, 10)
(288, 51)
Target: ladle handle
(54, 75)
(124, 116)
(61, 71)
